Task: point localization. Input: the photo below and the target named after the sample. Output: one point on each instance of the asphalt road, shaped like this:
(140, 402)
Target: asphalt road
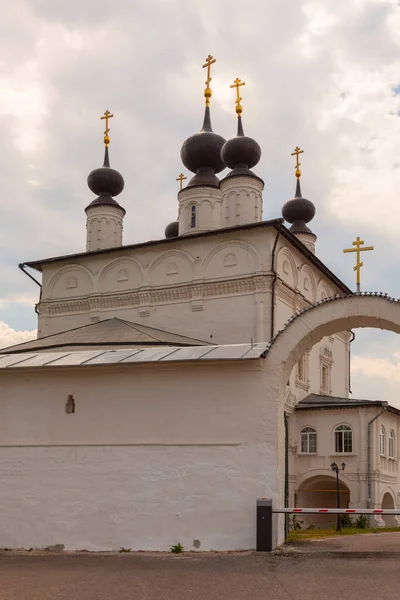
(363, 567)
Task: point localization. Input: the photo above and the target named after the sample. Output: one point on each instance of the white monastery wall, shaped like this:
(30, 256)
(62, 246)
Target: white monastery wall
(153, 455)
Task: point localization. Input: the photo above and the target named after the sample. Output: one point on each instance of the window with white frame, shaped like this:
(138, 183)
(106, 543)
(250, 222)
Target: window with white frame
(326, 362)
(308, 437)
(382, 441)
(343, 439)
(391, 443)
(193, 216)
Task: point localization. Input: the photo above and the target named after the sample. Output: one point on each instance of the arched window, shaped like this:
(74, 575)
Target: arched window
(382, 441)
(302, 369)
(193, 216)
(343, 439)
(308, 436)
(391, 444)
(326, 361)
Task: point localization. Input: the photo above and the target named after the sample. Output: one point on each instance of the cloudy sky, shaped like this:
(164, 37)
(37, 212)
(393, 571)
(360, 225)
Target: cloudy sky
(320, 74)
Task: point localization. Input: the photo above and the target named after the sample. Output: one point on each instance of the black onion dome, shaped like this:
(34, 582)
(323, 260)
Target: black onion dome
(241, 150)
(298, 211)
(106, 183)
(241, 153)
(106, 180)
(172, 230)
(201, 154)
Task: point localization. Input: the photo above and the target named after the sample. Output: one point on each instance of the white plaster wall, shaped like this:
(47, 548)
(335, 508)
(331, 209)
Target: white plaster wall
(154, 455)
(175, 286)
(207, 201)
(185, 286)
(104, 227)
(241, 201)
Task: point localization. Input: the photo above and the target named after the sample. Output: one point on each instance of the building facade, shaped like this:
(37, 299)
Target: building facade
(139, 413)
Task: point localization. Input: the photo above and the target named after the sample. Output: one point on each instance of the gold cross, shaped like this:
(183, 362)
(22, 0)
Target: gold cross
(107, 115)
(296, 153)
(180, 179)
(236, 84)
(358, 243)
(210, 60)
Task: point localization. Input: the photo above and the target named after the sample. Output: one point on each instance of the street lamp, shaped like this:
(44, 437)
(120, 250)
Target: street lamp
(335, 468)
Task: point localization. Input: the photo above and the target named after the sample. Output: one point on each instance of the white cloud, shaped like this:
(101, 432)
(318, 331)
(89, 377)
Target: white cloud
(9, 337)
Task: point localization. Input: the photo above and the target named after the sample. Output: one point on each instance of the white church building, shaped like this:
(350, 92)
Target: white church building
(138, 418)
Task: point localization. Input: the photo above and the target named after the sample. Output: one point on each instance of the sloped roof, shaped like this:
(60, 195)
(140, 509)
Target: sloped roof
(110, 332)
(319, 401)
(107, 357)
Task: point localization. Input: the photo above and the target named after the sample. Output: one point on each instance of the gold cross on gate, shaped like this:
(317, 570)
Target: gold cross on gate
(296, 153)
(236, 84)
(210, 60)
(107, 115)
(180, 179)
(358, 243)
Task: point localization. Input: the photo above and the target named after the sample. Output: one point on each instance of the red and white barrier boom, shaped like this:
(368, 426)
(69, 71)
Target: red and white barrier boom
(265, 511)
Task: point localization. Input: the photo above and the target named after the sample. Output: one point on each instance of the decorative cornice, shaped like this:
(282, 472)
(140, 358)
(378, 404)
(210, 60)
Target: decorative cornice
(192, 292)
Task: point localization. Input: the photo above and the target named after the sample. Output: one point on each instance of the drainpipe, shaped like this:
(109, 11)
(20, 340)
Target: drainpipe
(274, 278)
(286, 473)
(369, 452)
(352, 340)
(23, 266)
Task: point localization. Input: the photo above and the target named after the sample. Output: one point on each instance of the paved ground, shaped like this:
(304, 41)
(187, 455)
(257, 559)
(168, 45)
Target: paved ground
(358, 568)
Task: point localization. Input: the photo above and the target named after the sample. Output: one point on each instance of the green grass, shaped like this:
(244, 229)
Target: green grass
(313, 534)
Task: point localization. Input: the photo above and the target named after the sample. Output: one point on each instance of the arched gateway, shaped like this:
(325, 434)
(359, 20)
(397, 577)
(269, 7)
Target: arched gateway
(301, 332)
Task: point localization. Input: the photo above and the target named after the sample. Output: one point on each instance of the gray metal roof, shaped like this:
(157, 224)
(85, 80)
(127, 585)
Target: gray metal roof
(319, 401)
(110, 332)
(89, 358)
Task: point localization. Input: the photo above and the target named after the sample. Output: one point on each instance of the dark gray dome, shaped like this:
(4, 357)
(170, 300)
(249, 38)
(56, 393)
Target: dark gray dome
(241, 150)
(240, 154)
(298, 211)
(172, 230)
(203, 150)
(105, 181)
(201, 153)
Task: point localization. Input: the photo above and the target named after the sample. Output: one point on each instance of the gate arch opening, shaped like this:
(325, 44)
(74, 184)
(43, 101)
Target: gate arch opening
(388, 502)
(320, 492)
(300, 334)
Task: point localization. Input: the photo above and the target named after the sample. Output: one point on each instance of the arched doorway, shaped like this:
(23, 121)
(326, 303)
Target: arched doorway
(320, 492)
(302, 331)
(388, 502)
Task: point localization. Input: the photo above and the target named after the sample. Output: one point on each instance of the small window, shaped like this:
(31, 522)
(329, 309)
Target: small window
(301, 369)
(391, 444)
(193, 216)
(308, 437)
(326, 362)
(343, 439)
(325, 378)
(382, 441)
